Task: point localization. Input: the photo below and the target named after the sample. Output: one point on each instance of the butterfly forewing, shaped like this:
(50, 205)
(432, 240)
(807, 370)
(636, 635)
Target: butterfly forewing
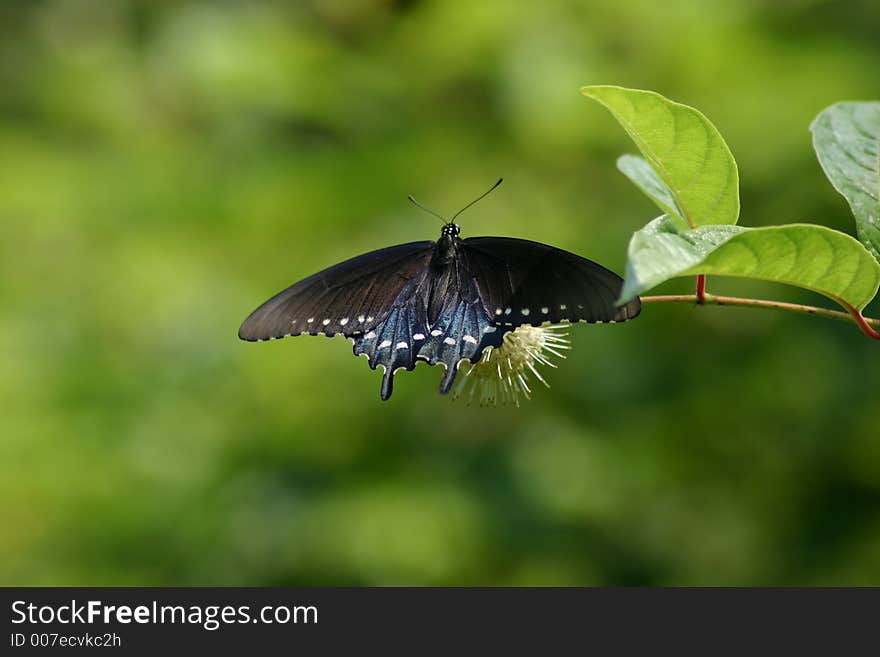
(523, 282)
(349, 298)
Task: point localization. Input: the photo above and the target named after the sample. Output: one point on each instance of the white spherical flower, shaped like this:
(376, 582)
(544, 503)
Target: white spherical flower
(502, 375)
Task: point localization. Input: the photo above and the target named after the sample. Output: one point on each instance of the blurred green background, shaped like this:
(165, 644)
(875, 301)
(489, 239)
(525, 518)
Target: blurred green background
(167, 166)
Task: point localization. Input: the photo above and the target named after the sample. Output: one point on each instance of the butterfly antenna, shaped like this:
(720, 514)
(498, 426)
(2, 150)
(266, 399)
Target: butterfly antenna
(479, 198)
(428, 210)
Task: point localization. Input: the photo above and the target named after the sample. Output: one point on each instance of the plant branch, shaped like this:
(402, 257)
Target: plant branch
(868, 326)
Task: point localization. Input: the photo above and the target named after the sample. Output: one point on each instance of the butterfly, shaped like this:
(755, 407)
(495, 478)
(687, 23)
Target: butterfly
(442, 302)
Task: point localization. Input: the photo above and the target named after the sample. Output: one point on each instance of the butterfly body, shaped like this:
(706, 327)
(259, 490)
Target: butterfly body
(441, 302)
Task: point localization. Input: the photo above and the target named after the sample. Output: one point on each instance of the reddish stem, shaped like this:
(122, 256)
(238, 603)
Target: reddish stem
(867, 325)
(861, 322)
(701, 289)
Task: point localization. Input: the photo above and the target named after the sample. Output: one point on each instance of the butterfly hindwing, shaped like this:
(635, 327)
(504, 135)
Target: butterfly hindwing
(349, 298)
(523, 282)
(460, 331)
(394, 343)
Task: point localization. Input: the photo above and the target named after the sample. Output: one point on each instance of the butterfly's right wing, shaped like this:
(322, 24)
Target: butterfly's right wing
(349, 298)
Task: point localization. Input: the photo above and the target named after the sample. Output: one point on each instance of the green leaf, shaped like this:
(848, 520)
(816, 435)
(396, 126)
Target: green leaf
(645, 178)
(663, 250)
(846, 137)
(684, 149)
(805, 255)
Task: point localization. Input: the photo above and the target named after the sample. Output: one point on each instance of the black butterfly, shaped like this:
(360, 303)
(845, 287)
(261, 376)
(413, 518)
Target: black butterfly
(441, 302)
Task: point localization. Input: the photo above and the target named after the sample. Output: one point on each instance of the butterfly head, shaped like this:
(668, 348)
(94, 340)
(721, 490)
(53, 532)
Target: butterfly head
(446, 244)
(450, 230)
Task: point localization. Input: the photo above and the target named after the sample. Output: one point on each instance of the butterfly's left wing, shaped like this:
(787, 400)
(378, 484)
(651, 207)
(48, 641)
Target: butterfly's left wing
(523, 282)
